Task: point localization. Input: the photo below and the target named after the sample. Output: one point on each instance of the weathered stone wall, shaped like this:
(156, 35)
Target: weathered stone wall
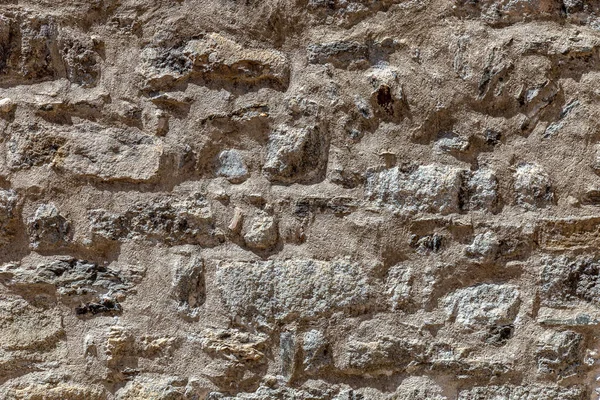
(299, 199)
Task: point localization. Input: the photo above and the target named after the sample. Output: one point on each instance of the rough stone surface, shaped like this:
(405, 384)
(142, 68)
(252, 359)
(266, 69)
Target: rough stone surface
(232, 167)
(430, 188)
(299, 200)
(536, 392)
(559, 353)
(47, 228)
(483, 304)
(532, 186)
(295, 155)
(263, 292)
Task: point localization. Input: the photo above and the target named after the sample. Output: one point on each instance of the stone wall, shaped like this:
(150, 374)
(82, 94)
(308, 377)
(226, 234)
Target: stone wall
(299, 199)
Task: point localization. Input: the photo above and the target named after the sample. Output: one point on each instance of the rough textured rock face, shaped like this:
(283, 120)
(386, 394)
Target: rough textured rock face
(299, 200)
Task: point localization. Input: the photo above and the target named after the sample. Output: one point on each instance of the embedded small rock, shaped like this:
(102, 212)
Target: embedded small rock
(296, 155)
(218, 57)
(316, 351)
(567, 280)
(169, 218)
(188, 286)
(388, 97)
(533, 188)
(213, 57)
(262, 232)
(399, 286)
(559, 353)
(485, 246)
(87, 287)
(268, 392)
(8, 206)
(418, 388)
(164, 67)
(159, 387)
(6, 105)
(480, 190)
(382, 356)
(232, 166)
(47, 228)
(234, 344)
(51, 389)
(451, 143)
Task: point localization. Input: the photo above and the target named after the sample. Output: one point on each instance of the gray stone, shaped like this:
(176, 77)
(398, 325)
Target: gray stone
(480, 190)
(483, 305)
(47, 228)
(296, 155)
(532, 185)
(451, 143)
(82, 62)
(573, 6)
(349, 394)
(266, 291)
(568, 280)
(427, 244)
(316, 351)
(559, 353)
(363, 107)
(347, 13)
(188, 286)
(342, 54)
(485, 246)
(163, 67)
(429, 188)
(566, 318)
(87, 287)
(509, 11)
(532, 392)
(287, 353)
(107, 225)
(231, 166)
(167, 218)
(399, 286)
(183, 219)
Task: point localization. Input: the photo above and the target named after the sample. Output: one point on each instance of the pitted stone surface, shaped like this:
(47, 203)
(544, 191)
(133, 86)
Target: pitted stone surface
(263, 292)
